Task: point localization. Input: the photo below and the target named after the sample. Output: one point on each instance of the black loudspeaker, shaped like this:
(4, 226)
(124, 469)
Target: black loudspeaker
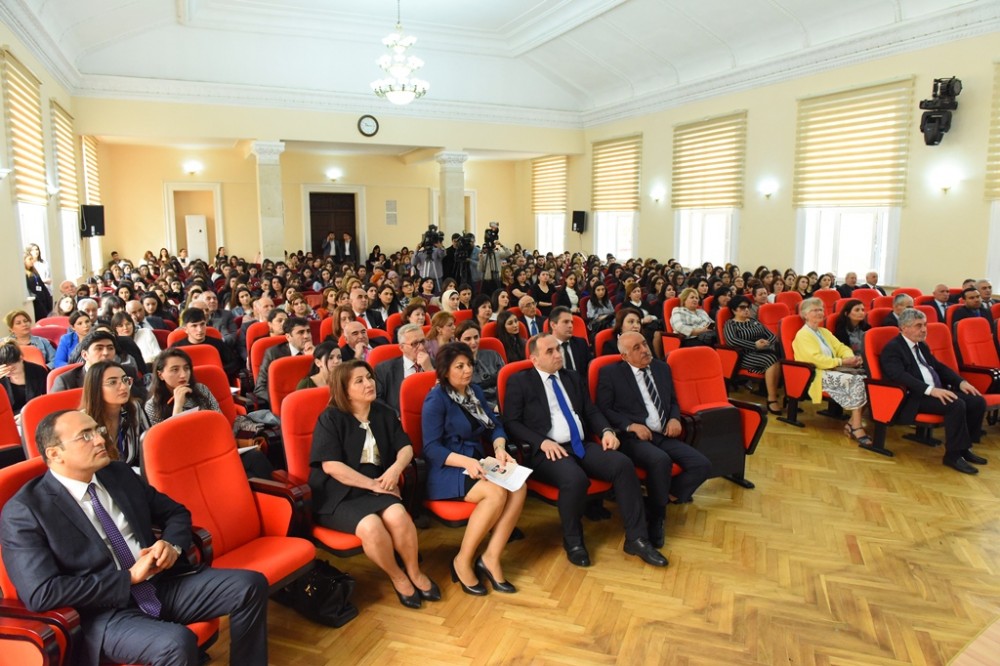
(579, 221)
(91, 221)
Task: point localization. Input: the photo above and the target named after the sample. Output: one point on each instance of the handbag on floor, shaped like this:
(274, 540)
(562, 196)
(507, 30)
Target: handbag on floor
(323, 595)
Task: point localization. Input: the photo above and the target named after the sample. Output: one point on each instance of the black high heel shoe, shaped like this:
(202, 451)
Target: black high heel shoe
(476, 590)
(499, 586)
(411, 601)
(431, 594)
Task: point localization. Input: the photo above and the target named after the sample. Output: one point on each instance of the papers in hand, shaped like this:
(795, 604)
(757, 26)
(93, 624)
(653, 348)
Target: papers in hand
(510, 476)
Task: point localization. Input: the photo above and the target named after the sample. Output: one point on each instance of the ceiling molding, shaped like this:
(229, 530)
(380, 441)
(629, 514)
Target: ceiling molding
(26, 26)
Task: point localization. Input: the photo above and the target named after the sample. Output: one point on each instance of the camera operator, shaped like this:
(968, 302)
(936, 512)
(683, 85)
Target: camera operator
(492, 254)
(429, 255)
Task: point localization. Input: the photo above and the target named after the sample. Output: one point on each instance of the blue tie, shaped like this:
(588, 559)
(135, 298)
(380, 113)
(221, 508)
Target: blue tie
(574, 434)
(534, 327)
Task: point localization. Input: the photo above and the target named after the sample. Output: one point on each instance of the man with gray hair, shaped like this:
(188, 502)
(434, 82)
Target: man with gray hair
(900, 302)
(389, 375)
(90, 307)
(986, 291)
(934, 388)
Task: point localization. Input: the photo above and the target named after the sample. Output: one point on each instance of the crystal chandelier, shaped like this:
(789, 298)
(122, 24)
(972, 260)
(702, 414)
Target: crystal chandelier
(399, 86)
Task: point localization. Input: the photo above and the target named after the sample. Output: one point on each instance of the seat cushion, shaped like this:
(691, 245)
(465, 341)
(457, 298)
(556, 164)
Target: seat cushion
(274, 556)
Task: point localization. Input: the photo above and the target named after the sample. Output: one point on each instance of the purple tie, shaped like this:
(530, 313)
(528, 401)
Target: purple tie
(143, 592)
(934, 373)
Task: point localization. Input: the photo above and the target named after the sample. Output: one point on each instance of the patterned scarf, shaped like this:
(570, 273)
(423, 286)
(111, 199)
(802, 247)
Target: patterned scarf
(470, 403)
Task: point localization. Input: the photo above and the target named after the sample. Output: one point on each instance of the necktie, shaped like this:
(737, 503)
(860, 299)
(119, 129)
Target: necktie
(576, 442)
(930, 368)
(570, 365)
(655, 395)
(417, 368)
(534, 327)
(143, 592)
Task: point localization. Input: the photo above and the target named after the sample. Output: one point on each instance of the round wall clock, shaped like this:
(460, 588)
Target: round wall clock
(367, 125)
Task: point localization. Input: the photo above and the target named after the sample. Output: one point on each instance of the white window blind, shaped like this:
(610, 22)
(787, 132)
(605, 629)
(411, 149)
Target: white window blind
(91, 172)
(993, 152)
(23, 110)
(616, 167)
(851, 147)
(709, 163)
(62, 132)
(548, 185)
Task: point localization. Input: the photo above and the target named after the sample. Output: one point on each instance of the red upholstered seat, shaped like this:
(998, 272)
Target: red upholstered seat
(38, 408)
(214, 378)
(493, 344)
(283, 376)
(260, 348)
(383, 353)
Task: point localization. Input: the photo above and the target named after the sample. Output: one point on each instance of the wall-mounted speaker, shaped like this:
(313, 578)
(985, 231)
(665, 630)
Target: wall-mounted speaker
(91, 221)
(579, 221)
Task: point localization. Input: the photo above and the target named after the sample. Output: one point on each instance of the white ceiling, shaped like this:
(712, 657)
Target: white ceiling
(565, 63)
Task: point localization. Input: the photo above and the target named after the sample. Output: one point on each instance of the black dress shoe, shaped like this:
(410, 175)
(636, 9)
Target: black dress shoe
(578, 555)
(644, 549)
(515, 535)
(477, 590)
(971, 457)
(656, 532)
(499, 586)
(431, 594)
(412, 601)
(960, 465)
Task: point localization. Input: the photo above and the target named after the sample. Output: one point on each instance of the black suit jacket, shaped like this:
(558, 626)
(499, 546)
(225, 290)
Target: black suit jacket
(56, 558)
(34, 385)
(230, 360)
(869, 286)
(581, 356)
(619, 397)
(347, 353)
(941, 309)
(156, 322)
(891, 320)
(526, 408)
(898, 365)
(539, 322)
(388, 380)
(966, 313)
(846, 290)
(346, 254)
(374, 318)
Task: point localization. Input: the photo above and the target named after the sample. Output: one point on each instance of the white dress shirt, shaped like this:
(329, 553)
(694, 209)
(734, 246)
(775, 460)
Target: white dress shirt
(559, 432)
(78, 491)
(924, 372)
(652, 417)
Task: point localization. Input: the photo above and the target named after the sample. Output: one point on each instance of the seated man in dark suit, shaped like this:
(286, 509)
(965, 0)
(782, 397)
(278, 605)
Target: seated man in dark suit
(97, 346)
(530, 316)
(849, 285)
(575, 351)
(985, 289)
(389, 375)
(871, 282)
(546, 407)
(973, 302)
(638, 398)
(143, 320)
(194, 322)
(907, 359)
(218, 318)
(357, 344)
(81, 535)
(298, 341)
(941, 302)
(262, 308)
(900, 302)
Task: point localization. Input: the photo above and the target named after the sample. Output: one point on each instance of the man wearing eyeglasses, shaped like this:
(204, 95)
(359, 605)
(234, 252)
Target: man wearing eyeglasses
(81, 535)
(96, 346)
(389, 375)
(298, 341)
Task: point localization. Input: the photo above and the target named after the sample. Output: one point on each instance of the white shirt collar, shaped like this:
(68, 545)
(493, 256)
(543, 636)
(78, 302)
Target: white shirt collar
(76, 489)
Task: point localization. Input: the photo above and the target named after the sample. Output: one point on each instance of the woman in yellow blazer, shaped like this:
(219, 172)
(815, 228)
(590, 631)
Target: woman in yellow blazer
(834, 362)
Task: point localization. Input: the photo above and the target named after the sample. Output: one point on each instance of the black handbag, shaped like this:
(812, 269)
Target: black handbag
(323, 595)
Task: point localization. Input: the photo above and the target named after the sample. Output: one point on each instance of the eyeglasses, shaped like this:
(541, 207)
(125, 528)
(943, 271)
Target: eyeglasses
(88, 435)
(743, 307)
(118, 381)
(418, 343)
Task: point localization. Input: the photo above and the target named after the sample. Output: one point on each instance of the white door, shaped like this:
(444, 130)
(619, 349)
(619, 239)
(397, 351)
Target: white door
(197, 237)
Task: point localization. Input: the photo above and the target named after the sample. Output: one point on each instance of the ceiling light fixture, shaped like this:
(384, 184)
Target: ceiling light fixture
(399, 87)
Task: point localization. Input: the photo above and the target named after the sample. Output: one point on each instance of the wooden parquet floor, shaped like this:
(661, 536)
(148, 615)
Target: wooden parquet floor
(839, 556)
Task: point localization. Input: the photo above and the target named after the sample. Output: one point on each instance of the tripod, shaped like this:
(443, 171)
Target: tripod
(490, 268)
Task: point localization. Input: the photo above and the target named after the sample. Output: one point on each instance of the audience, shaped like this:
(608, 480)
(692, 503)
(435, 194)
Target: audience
(326, 357)
(107, 398)
(19, 324)
(22, 381)
(486, 362)
(758, 348)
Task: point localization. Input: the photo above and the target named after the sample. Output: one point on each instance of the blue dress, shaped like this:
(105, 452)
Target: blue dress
(67, 344)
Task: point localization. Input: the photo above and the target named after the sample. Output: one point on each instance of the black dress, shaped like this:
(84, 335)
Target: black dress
(339, 437)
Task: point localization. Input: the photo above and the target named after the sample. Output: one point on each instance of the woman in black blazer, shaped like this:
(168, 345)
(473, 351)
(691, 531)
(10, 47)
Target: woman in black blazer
(359, 451)
(22, 381)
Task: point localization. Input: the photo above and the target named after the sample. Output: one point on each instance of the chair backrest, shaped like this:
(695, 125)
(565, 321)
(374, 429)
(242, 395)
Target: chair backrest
(995, 311)
(668, 309)
(33, 355)
(38, 408)
(770, 314)
(583, 307)
(601, 339)
(940, 343)
(493, 345)
(975, 342)
(706, 304)
(203, 355)
(192, 458)
(378, 333)
(923, 300)
(724, 315)
(490, 330)
(839, 305)
(882, 302)
(929, 312)
(50, 333)
(865, 295)
(829, 298)
(913, 292)
(301, 412)
(787, 329)
(517, 311)
(314, 300)
(461, 315)
(9, 434)
(215, 380)
(170, 324)
(579, 327)
(698, 379)
(383, 353)
(831, 322)
(53, 321)
(55, 372)
(394, 321)
(792, 299)
(949, 314)
(877, 315)
(411, 404)
(594, 371)
(179, 334)
(875, 340)
(283, 375)
(505, 373)
(258, 351)
(314, 331)
(256, 331)
(161, 336)
(12, 479)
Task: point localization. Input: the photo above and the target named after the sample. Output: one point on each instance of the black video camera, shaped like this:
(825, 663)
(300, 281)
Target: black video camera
(491, 237)
(431, 238)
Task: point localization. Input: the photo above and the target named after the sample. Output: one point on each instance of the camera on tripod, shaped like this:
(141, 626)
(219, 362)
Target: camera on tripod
(431, 238)
(491, 237)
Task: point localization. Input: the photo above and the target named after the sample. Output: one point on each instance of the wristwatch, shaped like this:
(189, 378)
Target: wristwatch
(177, 549)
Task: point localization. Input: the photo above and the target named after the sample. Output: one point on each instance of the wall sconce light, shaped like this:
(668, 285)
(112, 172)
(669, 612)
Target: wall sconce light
(4, 173)
(193, 167)
(333, 174)
(658, 193)
(945, 178)
(768, 187)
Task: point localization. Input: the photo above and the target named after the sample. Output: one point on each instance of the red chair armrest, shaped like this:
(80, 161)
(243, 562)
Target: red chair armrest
(65, 623)
(28, 639)
(275, 514)
(798, 376)
(885, 399)
(978, 376)
(754, 419)
(730, 359)
(201, 551)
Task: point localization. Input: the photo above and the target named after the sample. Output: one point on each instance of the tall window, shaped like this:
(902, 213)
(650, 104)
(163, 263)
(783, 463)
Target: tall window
(707, 188)
(615, 192)
(23, 112)
(993, 182)
(92, 194)
(69, 198)
(548, 202)
(850, 177)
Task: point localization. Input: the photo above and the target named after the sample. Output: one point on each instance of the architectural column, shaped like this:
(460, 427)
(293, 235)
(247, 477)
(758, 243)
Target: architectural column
(270, 203)
(452, 193)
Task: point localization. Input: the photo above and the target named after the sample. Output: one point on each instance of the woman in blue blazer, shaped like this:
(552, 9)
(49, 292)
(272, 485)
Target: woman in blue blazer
(456, 421)
(79, 323)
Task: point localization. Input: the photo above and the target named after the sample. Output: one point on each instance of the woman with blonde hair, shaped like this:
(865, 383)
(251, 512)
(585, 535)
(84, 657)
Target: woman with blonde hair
(442, 332)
